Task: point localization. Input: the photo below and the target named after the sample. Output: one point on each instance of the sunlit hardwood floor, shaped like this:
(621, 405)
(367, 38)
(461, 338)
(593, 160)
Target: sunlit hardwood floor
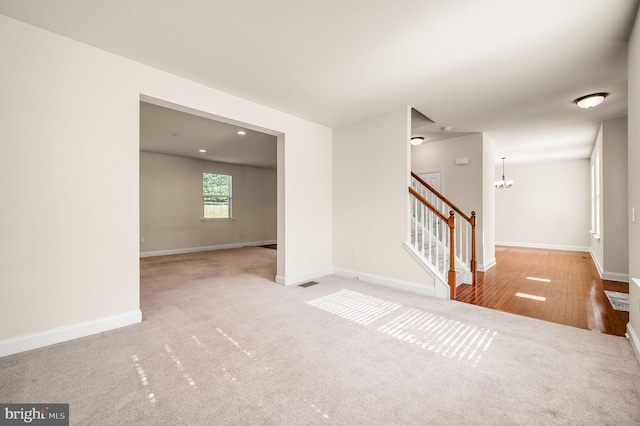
(552, 285)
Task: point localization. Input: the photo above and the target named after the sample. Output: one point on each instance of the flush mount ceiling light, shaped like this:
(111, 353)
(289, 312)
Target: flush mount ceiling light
(417, 140)
(202, 150)
(589, 101)
(500, 184)
(242, 132)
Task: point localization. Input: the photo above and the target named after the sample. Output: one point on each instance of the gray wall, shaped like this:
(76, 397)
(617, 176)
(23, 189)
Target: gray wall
(615, 228)
(171, 204)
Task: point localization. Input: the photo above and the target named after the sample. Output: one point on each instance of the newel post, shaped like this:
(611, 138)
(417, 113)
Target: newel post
(451, 221)
(474, 262)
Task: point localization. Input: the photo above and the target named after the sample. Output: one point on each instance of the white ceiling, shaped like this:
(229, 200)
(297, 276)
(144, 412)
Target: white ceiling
(508, 68)
(172, 132)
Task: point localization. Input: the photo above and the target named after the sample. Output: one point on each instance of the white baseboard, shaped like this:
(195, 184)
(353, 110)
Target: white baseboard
(596, 262)
(303, 278)
(615, 276)
(542, 246)
(633, 339)
(611, 276)
(40, 339)
(486, 266)
(390, 282)
(206, 248)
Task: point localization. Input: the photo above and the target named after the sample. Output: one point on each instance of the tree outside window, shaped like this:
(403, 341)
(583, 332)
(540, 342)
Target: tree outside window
(216, 195)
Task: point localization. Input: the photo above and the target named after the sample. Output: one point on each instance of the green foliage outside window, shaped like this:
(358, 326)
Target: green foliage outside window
(216, 194)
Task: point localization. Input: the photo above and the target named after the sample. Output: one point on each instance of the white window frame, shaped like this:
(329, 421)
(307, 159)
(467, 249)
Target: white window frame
(228, 197)
(596, 195)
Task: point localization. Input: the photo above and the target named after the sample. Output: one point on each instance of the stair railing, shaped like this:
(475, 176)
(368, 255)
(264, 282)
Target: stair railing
(432, 234)
(463, 242)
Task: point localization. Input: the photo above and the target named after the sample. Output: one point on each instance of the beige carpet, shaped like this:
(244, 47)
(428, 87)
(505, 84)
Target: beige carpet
(222, 344)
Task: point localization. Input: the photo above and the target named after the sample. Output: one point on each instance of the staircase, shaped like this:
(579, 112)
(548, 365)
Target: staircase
(442, 237)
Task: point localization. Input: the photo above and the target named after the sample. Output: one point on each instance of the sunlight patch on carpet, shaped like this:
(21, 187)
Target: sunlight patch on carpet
(143, 378)
(179, 365)
(448, 337)
(252, 364)
(354, 306)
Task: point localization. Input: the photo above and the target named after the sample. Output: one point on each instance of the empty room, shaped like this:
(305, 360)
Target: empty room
(278, 213)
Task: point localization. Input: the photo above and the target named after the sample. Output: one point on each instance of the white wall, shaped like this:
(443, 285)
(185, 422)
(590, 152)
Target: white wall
(171, 205)
(370, 212)
(548, 205)
(69, 169)
(488, 204)
(463, 185)
(634, 188)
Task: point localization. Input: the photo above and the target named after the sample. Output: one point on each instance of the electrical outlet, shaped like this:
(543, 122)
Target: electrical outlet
(355, 252)
(142, 239)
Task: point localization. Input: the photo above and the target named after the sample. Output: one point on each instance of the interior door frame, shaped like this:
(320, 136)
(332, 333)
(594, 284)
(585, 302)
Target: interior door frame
(439, 171)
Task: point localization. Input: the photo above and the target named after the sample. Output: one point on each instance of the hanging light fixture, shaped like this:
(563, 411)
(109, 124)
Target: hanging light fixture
(590, 101)
(500, 184)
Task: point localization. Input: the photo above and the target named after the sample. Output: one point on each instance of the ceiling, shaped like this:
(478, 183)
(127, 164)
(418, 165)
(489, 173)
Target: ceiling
(167, 131)
(510, 69)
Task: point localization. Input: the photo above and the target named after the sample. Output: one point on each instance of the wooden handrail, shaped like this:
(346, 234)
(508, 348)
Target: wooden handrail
(442, 197)
(451, 222)
(428, 204)
(473, 264)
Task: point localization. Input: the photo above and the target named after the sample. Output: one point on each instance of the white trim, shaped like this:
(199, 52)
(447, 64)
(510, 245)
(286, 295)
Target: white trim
(615, 276)
(40, 339)
(441, 171)
(611, 276)
(207, 248)
(299, 279)
(391, 282)
(486, 266)
(633, 339)
(596, 261)
(441, 290)
(543, 246)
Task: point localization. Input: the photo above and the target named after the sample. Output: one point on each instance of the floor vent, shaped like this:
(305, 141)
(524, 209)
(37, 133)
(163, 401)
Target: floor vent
(309, 284)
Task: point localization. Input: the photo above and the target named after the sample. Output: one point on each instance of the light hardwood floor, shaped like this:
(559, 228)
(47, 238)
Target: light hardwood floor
(552, 285)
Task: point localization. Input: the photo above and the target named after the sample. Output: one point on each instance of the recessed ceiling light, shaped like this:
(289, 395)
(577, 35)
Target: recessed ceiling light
(242, 132)
(417, 140)
(202, 150)
(590, 101)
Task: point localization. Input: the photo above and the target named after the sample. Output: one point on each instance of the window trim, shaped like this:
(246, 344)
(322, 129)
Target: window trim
(596, 195)
(229, 197)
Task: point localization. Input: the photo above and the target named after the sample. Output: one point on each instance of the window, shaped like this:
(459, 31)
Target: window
(595, 195)
(216, 196)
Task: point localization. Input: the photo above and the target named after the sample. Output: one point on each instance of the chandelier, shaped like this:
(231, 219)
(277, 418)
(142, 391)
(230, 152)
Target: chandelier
(503, 183)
